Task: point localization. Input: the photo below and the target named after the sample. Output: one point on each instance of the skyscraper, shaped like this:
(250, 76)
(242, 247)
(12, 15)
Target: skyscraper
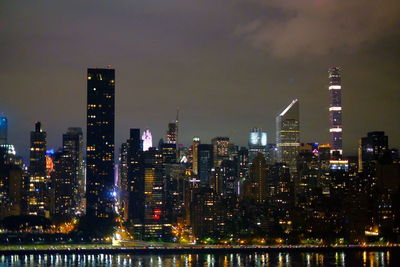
(205, 162)
(11, 182)
(3, 130)
(172, 132)
(172, 135)
(39, 191)
(154, 203)
(288, 135)
(255, 187)
(74, 166)
(195, 151)
(135, 178)
(257, 143)
(100, 141)
(220, 146)
(335, 112)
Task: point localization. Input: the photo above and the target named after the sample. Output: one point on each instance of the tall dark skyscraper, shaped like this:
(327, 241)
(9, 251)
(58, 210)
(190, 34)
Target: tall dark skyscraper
(3, 130)
(205, 162)
(38, 190)
(135, 178)
(335, 112)
(100, 141)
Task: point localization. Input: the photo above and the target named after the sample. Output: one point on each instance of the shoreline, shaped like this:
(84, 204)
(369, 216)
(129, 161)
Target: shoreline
(198, 250)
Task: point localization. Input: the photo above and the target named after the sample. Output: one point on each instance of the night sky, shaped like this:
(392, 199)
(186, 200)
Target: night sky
(229, 65)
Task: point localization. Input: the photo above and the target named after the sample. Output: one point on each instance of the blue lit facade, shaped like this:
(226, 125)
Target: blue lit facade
(3, 130)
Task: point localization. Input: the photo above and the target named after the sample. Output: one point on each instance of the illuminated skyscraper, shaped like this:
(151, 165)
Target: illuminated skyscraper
(147, 140)
(154, 203)
(335, 111)
(288, 135)
(220, 146)
(100, 141)
(39, 185)
(3, 130)
(257, 143)
(195, 151)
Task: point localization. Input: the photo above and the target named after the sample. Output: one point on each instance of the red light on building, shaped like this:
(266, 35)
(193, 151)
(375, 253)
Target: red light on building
(157, 213)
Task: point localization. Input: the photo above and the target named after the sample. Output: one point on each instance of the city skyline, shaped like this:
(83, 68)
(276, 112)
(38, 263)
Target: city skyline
(194, 127)
(352, 150)
(225, 71)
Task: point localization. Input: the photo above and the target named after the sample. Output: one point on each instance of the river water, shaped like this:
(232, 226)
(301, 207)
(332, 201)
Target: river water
(237, 259)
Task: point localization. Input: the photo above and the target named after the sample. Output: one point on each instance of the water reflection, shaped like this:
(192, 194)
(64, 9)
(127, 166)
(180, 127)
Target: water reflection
(364, 258)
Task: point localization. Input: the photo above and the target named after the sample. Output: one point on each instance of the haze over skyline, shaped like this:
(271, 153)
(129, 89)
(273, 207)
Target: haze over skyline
(228, 66)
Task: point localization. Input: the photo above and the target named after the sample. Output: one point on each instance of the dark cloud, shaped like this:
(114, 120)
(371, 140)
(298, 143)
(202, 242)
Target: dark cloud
(315, 27)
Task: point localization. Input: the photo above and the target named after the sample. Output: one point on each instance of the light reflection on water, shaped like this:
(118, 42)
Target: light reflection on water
(188, 260)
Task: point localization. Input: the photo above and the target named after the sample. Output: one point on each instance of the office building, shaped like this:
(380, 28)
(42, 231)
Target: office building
(10, 183)
(195, 152)
(257, 143)
(135, 179)
(220, 146)
(154, 198)
(100, 141)
(74, 164)
(255, 187)
(205, 163)
(38, 200)
(288, 135)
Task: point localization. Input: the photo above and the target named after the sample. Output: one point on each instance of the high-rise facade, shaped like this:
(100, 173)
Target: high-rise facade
(72, 158)
(257, 143)
(39, 184)
(100, 141)
(220, 150)
(154, 200)
(3, 130)
(335, 112)
(205, 162)
(195, 151)
(171, 133)
(256, 186)
(11, 182)
(288, 135)
(374, 146)
(135, 178)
